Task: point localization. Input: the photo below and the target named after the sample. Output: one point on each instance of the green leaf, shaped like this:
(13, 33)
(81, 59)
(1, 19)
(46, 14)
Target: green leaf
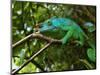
(28, 69)
(91, 54)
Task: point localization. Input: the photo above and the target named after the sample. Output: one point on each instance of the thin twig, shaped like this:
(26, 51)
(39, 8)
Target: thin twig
(38, 65)
(31, 58)
(48, 39)
(34, 62)
(86, 63)
(34, 35)
(21, 41)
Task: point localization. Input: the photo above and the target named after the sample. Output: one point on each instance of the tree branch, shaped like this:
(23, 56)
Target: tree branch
(34, 62)
(39, 36)
(38, 65)
(21, 41)
(31, 58)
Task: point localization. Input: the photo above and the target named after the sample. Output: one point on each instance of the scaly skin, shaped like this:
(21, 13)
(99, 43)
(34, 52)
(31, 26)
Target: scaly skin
(72, 29)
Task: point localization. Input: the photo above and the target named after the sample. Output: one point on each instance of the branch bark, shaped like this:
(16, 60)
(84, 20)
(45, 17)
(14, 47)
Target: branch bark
(34, 35)
(21, 41)
(31, 58)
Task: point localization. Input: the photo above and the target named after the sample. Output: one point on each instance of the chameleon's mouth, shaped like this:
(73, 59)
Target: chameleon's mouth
(46, 28)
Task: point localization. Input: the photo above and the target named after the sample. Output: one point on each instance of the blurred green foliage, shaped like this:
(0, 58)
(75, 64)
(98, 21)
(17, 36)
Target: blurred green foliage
(25, 15)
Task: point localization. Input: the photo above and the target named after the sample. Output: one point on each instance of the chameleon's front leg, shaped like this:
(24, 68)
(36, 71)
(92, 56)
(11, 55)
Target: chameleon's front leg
(66, 37)
(69, 35)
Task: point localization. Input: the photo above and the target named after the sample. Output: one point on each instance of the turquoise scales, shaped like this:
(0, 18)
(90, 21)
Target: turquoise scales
(72, 29)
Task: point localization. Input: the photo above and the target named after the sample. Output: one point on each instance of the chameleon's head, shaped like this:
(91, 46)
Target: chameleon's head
(47, 25)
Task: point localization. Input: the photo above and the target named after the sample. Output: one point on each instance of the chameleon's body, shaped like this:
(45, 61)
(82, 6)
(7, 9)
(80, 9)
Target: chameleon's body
(72, 29)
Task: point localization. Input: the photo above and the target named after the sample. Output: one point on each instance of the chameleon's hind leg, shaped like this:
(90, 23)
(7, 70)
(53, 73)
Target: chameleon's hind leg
(80, 41)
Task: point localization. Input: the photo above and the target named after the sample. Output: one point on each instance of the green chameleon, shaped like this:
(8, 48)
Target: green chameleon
(72, 31)
(71, 28)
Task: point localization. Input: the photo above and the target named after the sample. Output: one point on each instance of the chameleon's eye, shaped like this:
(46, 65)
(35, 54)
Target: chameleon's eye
(49, 23)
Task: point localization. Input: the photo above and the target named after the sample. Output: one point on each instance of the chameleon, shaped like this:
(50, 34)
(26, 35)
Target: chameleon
(72, 29)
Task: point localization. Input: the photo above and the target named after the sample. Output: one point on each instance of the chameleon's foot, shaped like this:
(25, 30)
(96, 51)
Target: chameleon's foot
(79, 43)
(63, 41)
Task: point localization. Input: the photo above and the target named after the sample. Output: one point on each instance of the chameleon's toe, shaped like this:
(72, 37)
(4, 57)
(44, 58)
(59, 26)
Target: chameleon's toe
(63, 41)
